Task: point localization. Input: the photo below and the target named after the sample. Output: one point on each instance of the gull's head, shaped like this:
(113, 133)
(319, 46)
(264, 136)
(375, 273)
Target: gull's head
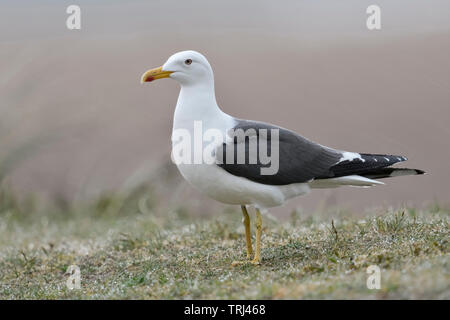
(186, 67)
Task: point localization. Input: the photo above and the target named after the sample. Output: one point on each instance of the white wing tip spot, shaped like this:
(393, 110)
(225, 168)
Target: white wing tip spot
(350, 156)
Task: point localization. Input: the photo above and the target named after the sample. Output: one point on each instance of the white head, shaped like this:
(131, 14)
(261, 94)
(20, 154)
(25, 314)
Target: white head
(189, 68)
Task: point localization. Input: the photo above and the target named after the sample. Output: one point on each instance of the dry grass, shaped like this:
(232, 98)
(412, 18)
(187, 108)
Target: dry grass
(171, 256)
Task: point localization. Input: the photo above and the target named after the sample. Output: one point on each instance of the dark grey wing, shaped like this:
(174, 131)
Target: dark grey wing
(300, 160)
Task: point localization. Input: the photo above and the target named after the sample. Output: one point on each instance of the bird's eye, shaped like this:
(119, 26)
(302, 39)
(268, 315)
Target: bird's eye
(188, 61)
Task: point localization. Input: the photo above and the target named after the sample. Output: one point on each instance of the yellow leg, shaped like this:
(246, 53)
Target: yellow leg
(257, 258)
(248, 234)
(248, 237)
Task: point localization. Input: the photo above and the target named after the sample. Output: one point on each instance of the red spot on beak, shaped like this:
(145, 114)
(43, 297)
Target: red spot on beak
(149, 79)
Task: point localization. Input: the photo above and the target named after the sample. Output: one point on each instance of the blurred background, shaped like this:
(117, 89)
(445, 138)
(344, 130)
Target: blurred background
(75, 123)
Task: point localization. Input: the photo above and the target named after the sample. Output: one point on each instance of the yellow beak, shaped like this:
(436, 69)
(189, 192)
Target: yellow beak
(154, 74)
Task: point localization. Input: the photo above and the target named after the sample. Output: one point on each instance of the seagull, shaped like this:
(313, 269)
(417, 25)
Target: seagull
(296, 166)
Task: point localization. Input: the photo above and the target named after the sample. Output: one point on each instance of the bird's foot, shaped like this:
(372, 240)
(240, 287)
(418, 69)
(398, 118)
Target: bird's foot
(239, 263)
(254, 262)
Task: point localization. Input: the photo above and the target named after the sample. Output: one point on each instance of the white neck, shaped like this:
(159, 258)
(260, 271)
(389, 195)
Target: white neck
(198, 103)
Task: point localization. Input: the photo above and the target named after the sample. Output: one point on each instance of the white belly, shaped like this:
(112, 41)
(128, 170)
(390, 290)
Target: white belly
(227, 188)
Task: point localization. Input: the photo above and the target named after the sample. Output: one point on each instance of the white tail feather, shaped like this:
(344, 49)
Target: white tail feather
(353, 180)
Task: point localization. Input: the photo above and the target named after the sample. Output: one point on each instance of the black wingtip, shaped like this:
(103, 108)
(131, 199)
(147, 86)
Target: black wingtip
(418, 171)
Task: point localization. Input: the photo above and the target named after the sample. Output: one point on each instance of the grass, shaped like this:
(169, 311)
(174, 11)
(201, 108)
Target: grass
(125, 254)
